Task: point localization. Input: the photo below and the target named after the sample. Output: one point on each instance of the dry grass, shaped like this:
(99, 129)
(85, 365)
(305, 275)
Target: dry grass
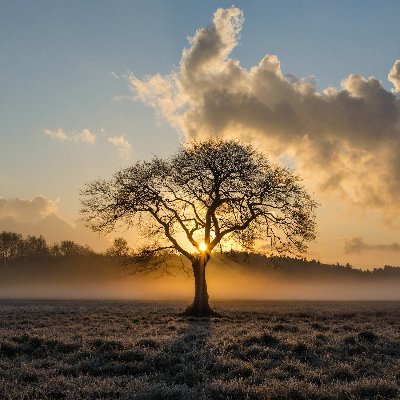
(266, 350)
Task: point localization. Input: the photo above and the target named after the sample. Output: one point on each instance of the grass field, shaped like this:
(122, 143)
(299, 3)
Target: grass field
(260, 350)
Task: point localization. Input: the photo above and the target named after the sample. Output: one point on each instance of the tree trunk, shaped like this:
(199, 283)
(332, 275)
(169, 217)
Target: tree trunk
(200, 306)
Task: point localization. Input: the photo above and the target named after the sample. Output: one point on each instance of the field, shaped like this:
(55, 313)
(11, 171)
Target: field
(255, 350)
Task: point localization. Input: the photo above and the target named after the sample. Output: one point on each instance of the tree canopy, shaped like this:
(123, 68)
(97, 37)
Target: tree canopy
(212, 194)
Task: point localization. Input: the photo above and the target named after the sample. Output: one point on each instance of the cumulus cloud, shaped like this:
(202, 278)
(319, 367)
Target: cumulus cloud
(84, 135)
(394, 76)
(27, 210)
(39, 216)
(123, 146)
(346, 140)
(357, 245)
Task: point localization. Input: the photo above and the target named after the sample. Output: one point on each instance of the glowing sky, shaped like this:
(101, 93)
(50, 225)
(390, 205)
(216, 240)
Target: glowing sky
(87, 87)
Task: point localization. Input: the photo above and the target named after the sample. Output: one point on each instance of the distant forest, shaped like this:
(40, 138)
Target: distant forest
(13, 248)
(34, 250)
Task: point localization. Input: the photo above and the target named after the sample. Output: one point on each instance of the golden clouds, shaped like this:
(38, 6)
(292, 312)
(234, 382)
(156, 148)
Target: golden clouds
(346, 141)
(84, 136)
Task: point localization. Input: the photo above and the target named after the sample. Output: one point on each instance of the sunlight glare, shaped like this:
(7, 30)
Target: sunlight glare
(202, 246)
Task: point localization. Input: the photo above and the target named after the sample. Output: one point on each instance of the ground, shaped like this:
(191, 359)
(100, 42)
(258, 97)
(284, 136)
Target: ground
(255, 350)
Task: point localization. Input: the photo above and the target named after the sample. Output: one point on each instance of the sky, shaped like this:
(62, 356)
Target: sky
(89, 87)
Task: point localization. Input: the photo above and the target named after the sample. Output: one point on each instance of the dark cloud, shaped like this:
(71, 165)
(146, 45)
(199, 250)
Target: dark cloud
(357, 245)
(347, 140)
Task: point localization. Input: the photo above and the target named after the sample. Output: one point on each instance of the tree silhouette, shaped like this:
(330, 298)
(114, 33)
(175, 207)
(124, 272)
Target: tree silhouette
(119, 248)
(34, 246)
(10, 246)
(68, 248)
(211, 195)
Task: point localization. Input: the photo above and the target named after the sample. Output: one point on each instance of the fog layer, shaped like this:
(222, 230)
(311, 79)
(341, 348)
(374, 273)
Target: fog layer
(253, 279)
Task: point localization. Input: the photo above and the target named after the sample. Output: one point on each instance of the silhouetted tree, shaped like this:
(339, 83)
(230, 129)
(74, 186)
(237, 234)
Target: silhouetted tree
(120, 248)
(34, 246)
(210, 193)
(10, 246)
(68, 248)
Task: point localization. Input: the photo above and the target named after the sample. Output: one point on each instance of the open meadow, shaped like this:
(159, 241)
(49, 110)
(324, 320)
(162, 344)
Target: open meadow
(254, 350)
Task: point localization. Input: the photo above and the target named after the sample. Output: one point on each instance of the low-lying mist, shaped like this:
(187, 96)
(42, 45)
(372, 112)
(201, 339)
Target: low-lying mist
(251, 279)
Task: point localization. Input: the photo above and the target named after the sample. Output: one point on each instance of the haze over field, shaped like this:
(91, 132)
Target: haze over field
(253, 278)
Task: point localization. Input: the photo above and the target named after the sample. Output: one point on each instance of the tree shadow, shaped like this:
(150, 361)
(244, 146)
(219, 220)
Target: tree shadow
(189, 359)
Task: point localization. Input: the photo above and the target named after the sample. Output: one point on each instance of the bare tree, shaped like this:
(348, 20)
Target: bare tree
(211, 195)
(10, 246)
(34, 246)
(119, 248)
(68, 248)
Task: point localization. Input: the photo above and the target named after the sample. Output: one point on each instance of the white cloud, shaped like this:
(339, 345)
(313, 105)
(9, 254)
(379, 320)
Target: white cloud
(27, 210)
(58, 134)
(123, 146)
(84, 135)
(114, 75)
(119, 98)
(345, 141)
(394, 76)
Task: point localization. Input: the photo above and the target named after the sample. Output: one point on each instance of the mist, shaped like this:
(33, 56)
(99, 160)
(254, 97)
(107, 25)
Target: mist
(252, 279)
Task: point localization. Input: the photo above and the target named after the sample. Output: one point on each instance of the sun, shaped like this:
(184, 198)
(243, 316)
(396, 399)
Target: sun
(202, 246)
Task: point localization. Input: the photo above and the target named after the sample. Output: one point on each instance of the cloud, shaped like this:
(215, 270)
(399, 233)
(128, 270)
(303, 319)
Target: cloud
(394, 76)
(345, 141)
(27, 210)
(84, 135)
(58, 134)
(114, 75)
(120, 98)
(357, 245)
(123, 146)
(39, 216)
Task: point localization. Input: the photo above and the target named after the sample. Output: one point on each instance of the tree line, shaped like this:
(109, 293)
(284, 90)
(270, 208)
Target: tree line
(13, 247)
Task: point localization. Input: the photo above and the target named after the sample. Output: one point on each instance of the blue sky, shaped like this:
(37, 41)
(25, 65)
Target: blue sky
(59, 62)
